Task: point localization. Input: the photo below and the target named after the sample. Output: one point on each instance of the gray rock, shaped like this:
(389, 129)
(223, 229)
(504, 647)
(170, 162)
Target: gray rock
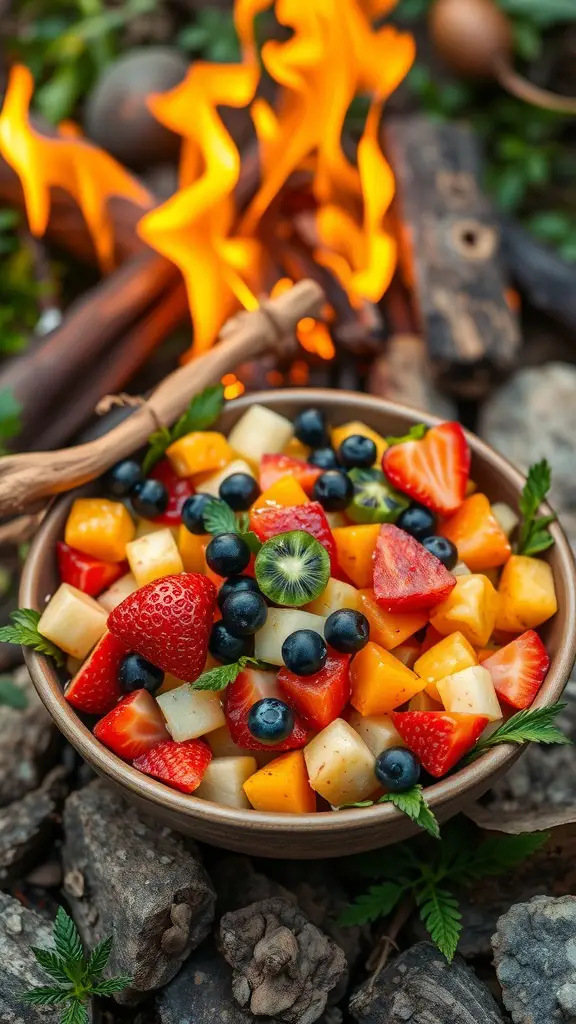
(19, 971)
(27, 824)
(421, 987)
(535, 956)
(202, 994)
(135, 880)
(28, 743)
(238, 883)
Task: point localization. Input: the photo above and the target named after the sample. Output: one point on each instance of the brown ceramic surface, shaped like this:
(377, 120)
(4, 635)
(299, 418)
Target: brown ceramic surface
(324, 834)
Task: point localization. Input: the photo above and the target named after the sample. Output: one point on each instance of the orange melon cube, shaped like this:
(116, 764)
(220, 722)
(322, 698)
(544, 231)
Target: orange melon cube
(527, 595)
(339, 434)
(282, 786)
(285, 492)
(389, 629)
(199, 452)
(296, 450)
(483, 653)
(380, 682)
(100, 528)
(471, 609)
(192, 547)
(407, 653)
(450, 655)
(355, 547)
(477, 534)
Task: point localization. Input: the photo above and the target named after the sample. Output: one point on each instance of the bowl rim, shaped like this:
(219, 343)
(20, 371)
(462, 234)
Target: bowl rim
(106, 763)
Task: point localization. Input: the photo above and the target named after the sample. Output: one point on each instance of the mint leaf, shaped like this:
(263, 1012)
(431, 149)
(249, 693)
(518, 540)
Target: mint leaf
(24, 631)
(413, 804)
(534, 536)
(219, 518)
(377, 902)
(11, 696)
(533, 725)
(416, 433)
(203, 411)
(158, 442)
(440, 915)
(219, 678)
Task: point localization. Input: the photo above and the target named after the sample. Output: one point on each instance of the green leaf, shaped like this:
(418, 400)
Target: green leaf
(203, 411)
(498, 855)
(10, 416)
(219, 518)
(66, 938)
(533, 534)
(45, 995)
(11, 696)
(416, 433)
(57, 97)
(109, 986)
(413, 804)
(359, 803)
(75, 1013)
(219, 678)
(377, 902)
(99, 957)
(53, 964)
(158, 442)
(24, 631)
(534, 725)
(440, 915)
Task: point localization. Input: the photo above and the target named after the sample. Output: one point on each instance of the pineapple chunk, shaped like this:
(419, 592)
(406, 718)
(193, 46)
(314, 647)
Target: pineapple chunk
(472, 692)
(73, 621)
(146, 526)
(222, 745)
(280, 623)
(461, 569)
(100, 528)
(154, 556)
(115, 594)
(211, 485)
(505, 516)
(527, 596)
(470, 608)
(224, 779)
(450, 655)
(377, 731)
(199, 452)
(260, 431)
(340, 765)
(190, 713)
(336, 595)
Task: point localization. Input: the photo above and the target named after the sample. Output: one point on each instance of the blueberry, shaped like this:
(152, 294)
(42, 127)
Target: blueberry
(149, 498)
(443, 548)
(334, 490)
(357, 452)
(193, 511)
(121, 478)
(236, 584)
(324, 458)
(398, 769)
(239, 490)
(227, 554)
(347, 631)
(138, 674)
(244, 613)
(418, 521)
(304, 652)
(310, 427)
(227, 648)
(270, 720)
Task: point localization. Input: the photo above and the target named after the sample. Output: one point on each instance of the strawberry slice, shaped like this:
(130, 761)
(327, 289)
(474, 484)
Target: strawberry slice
(268, 522)
(321, 697)
(250, 686)
(439, 738)
(275, 467)
(90, 575)
(434, 470)
(179, 488)
(168, 622)
(133, 727)
(406, 576)
(519, 669)
(180, 765)
(95, 688)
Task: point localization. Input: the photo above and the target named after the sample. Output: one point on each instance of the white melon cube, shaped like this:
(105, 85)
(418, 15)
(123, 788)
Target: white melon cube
(461, 569)
(280, 623)
(505, 516)
(224, 779)
(340, 765)
(119, 590)
(222, 745)
(191, 713)
(73, 621)
(73, 665)
(377, 731)
(470, 691)
(260, 431)
(211, 485)
(146, 526)
(153, 556)
(336, 595)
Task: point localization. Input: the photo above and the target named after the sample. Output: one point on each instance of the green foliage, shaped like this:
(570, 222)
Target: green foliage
(203, 411)
(77, 977)
(411, 803)
(11, 696)
(24, 631)
(534, 725)
(10, 423)
(212, 36)
(221, 677)
(19, 290)
(534, 535)
(416, 433)
(219, 518)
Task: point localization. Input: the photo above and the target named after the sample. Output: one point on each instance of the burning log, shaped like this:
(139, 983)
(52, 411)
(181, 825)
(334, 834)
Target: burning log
(548, 281)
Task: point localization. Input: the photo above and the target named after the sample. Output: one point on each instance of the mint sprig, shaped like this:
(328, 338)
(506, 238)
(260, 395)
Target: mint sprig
(24, 630)
(220, 518)
(533, 725)
(416, 433)
(411, 803)
(219, 678)
(534, 535)
(203, 411)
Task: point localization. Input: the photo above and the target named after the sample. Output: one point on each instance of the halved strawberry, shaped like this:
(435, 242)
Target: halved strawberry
(439, 738)
(433, 470)
(406, 576)
(519, 669)
(133, 727)
(274, 467)
(180, 765)
(321, 697)
(95, 688)
(268, 522)
(250, 686)
(90, 575)
(179, 488)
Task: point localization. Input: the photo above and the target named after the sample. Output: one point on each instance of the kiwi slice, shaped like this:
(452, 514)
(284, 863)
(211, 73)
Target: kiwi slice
(292, 568)
(374, 501)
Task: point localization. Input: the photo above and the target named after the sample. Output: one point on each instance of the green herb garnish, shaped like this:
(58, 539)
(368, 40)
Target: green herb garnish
(203, 411)
(24, 631)
(411, 803)
(416, 433)
(534, 535)
(219, 518)
(221, 677)
(533, 725)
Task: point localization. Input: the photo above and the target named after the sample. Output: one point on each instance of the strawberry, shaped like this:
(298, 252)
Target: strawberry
(439, 738)
(168, 621)
(274, 467)
(88, 574)
(268, 522)
(519, 669)
(406, 576)
(133, 727)
(178, 490)
(321, 697)
(95, 688)
(180, 765)
(250, 686)
(433, 470)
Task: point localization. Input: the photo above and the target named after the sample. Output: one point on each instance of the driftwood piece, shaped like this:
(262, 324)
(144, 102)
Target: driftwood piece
(28, 744)
(449, 248)
(547, 280)
(26, 479)
(27, 825)
(136, 881)
(19, 930)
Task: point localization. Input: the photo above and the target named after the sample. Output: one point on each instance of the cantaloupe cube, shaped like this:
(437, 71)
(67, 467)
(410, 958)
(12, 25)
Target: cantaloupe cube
(211, 484)
(146, 526)
(223, 781)
(199, 452)
(339, 434)
(153, 556)
(100, 528)
(336, 595)
(389, 629)
(260, 431)
(296, 450)
(470, 608)
(477, 534)
(192, 547)
(355, 548)
(191, 713)
(73, 621)
(452, 654)
(280, 623)
(527, 596)
(505, 516)
(115, 594)
(286, 492)
(380, 682)
(407, 652)
(282, 786)
(472, 692)
(377, 731)
(340, 765)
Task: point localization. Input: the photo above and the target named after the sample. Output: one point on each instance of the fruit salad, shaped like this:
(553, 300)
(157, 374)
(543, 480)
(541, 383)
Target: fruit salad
(300, 616)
